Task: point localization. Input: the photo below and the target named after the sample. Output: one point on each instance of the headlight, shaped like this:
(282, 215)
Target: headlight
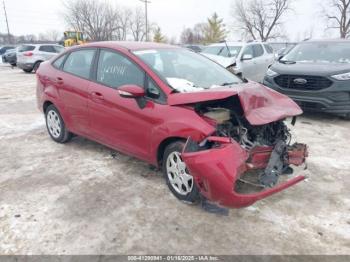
(345, 76)
(271, 73)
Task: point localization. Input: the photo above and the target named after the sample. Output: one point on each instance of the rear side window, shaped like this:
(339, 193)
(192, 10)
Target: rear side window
(258, 50)
(47, 48)
(115, 70)
(58, 63)
(79, 62)
(25, 48)
(58, 49)
(268, 48)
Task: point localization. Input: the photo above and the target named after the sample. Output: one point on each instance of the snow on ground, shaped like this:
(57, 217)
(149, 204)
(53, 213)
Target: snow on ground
(77, 199)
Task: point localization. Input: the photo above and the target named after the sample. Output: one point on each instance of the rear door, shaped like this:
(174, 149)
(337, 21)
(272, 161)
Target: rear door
(72, 81)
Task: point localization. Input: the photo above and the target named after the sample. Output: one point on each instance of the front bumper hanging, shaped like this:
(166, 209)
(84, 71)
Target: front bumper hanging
(216, 170)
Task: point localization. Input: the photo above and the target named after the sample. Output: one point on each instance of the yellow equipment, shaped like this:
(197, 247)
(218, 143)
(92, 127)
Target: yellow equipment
(73, 38)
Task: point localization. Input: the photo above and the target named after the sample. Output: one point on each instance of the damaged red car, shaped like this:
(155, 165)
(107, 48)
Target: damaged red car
(211, 132)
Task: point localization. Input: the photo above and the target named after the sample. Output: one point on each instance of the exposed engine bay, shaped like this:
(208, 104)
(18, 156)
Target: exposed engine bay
(268, 145)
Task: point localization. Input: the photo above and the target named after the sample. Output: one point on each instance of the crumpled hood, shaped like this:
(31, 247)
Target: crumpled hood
(261, 105)
(224, 61)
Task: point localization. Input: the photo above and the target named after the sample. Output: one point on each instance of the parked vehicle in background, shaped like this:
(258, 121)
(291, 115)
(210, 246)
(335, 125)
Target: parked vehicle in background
(30, 56)
(195, 48)
(10, 56)
(4, 48)
(316, 74)
(250, 60)
(147, 100)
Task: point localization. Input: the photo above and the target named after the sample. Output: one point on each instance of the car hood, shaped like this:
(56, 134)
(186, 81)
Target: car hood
(261, 105)
(224, 61)
(320, 69)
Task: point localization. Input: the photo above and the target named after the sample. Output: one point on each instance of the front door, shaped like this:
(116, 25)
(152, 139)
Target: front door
(122, 123)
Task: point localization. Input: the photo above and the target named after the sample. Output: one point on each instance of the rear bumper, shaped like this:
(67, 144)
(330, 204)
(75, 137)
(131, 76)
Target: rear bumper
(335, 99)
(217, 170)
(26, 66)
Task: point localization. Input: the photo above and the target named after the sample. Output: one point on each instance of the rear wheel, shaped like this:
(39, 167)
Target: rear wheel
(27, 70)
(176, 174)
(55, 125)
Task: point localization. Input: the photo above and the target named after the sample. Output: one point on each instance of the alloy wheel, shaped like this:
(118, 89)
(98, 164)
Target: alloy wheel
(178, 175)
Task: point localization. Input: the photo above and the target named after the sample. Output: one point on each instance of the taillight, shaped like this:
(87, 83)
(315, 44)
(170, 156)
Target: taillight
(28, 53)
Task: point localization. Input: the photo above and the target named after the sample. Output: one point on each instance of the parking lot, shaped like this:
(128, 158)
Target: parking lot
(82, 198)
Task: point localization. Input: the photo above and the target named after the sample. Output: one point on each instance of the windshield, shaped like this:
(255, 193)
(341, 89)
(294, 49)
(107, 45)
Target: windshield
(222, 50)
(331, 52)
(187, 71)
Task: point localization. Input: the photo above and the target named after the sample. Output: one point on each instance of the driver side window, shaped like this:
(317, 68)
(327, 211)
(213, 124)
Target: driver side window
(115, 70)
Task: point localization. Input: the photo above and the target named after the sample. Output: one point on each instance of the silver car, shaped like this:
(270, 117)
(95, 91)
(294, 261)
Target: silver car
(250, 60)
(30, 56)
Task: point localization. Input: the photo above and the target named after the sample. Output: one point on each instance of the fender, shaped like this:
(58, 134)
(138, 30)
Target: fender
(182, 127)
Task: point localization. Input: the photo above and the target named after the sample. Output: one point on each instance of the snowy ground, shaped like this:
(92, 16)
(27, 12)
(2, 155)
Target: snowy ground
(77, 199)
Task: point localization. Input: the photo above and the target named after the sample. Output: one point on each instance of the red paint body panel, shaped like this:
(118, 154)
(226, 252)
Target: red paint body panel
(101, 114)
(216, 171)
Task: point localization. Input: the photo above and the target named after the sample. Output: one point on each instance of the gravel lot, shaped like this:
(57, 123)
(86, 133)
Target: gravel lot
(77, 199)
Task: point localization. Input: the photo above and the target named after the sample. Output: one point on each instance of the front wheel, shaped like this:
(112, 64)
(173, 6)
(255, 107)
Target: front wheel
(56, 126)
(177, 176)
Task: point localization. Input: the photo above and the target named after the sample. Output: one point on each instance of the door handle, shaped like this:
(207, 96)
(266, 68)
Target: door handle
(59, 80)
(97, 96)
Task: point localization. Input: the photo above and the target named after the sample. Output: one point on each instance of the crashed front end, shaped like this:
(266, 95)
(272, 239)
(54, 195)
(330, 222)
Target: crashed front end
(244, 160)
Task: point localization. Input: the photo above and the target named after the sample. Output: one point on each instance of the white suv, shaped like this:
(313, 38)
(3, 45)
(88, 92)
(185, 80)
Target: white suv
(30, 56)
(250, 60)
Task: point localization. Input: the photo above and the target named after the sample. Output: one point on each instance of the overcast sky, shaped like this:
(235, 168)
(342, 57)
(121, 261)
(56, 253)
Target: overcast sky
(37, 16)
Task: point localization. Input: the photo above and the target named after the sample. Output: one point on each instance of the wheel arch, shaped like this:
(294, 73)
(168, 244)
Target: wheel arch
(164, 144)
(46, 104)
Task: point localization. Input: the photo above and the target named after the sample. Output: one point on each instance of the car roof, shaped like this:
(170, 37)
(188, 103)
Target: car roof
(131, 45)
(39, 44)
(229, 44)
(337, 40)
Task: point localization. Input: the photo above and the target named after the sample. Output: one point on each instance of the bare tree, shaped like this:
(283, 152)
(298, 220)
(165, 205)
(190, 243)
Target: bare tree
(122, 16)
(137, 24)
(98, 20)
(260, 19)
(53, 35)
(193, 35)
(187, 36)
(338, 16)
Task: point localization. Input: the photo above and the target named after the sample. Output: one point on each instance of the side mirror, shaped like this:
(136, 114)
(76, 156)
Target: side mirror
(131, 91)
(247, 57)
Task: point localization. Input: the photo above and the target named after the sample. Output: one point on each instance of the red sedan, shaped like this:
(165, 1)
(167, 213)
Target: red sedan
(210, 131)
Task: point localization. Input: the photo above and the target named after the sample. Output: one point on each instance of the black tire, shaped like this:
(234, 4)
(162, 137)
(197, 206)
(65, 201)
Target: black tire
(60, 137)
(13, 64)
(193, 196)
(36, 66)
(346, 116)
(27, 70)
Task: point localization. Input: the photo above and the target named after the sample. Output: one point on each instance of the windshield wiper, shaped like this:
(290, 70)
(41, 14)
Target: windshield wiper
(227, 84)
(288, 62)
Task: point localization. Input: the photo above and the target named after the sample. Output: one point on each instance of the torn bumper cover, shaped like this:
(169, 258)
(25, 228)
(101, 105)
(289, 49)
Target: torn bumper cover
(216, 170)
